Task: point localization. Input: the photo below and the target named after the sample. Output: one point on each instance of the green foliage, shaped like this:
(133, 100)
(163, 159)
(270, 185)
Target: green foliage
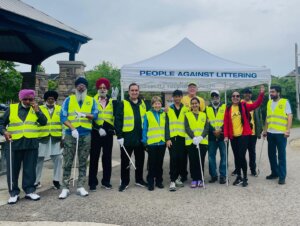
(40, 68)
(103, 70)
(10, 81)
(52, 84)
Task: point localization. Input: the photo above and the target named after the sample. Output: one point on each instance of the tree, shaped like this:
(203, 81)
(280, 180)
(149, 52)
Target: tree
(52, 84)
(40, 68)
(10, 81)
(103, 70)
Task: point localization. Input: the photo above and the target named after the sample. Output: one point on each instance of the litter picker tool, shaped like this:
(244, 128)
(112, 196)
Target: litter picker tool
(10, 166)
(201, 166)
(76, 152)
(130, 160)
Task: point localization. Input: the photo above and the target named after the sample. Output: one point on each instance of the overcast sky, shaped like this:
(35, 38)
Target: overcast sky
(254, 32)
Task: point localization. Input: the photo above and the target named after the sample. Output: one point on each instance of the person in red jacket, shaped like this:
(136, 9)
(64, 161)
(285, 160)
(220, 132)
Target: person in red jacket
(237, 128)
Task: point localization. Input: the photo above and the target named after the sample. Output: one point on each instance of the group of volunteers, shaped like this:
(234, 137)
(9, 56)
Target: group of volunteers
(84, 126)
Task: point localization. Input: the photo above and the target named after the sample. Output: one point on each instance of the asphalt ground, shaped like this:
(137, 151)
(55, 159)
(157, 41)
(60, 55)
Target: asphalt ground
(263, 202)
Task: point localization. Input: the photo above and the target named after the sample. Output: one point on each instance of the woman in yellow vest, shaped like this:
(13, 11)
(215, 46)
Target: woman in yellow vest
(196, 128)
(50, 139)
(154, 127)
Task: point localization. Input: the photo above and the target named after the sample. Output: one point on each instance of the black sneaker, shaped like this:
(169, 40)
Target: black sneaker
(222, 180)
(141, 184)
(107, 186)
(271, 177)
(213, 179)
(93, 188)
(123, 187)
(245, 182)
(253, 173)
(238, 181)
(56, 185)
(281, 181)
(150, 187)
(160, 185)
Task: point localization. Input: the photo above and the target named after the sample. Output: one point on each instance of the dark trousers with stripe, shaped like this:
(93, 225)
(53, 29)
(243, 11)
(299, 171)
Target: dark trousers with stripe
(239, 147)
(178, 158)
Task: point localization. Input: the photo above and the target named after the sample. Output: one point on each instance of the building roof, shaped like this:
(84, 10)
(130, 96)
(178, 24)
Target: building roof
(29, 36)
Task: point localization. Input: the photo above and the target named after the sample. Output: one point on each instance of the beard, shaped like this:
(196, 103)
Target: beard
(275, 97)
(80, 96)
(102, 93)
(25, 106)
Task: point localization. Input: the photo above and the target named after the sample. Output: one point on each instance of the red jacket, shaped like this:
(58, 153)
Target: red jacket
(246, 108)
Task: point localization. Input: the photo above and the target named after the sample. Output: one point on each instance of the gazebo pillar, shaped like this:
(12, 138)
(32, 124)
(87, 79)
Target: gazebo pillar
(69, 71)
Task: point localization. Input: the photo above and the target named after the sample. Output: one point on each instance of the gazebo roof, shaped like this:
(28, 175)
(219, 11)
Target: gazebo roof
(30, 36)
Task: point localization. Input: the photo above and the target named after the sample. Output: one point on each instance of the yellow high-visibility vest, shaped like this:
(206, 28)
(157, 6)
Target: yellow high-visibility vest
(277, 119)
(216, 121)
(105, 114)
(54, 126)
(128, 121)
(176, 125)
(86, 108)
(17, 128)
(156, 132)
(197, 126)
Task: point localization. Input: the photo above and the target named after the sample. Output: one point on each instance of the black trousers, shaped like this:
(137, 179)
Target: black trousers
(139, 155)
(156, 154)
(178, 158)
(27, 158)
(252, 152)
(239, 147)
(194, 160)
(97, 143)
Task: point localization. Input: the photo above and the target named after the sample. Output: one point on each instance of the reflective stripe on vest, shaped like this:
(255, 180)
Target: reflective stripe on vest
(54, 126)
(216, 121)
(156, 132)
(86, 108)
(277, 119)
(197, 126)
(105, 114)
(176, 125)
(18, 128)
(128, 121)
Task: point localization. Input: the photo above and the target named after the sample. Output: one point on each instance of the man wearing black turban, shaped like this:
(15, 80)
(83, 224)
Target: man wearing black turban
(50, 138)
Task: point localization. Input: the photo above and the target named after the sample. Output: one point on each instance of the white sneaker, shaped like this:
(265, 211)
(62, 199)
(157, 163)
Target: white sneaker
(13, 199)
(32, 196)
(172, 186)
(82, 192)
(64, 193)
(179, 183)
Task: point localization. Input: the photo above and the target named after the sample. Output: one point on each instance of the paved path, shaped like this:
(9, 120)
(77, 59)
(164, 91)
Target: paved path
(261, 203)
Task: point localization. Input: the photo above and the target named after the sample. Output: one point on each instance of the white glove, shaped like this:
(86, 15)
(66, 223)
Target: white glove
(102, 132)
(75, 134)
(200, 138)
(121, 142)
(195, 141)
(114, 93)
(80, 115)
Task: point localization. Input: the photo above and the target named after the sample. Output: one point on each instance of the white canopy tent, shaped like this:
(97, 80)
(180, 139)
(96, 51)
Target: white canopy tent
(185, 63)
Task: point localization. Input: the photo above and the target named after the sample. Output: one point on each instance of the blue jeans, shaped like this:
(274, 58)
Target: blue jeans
(277, 141)
(212, 151)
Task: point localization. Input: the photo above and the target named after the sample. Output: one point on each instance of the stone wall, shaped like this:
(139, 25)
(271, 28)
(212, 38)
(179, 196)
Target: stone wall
(69, 71)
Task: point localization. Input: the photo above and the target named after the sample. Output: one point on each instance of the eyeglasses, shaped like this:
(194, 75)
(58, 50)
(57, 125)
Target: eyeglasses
(214, 95)
(30, 99)
(235, 96)
(104, 88)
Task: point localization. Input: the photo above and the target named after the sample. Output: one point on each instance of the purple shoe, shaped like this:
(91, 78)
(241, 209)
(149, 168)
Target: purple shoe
(194, 184)
(200, 183)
